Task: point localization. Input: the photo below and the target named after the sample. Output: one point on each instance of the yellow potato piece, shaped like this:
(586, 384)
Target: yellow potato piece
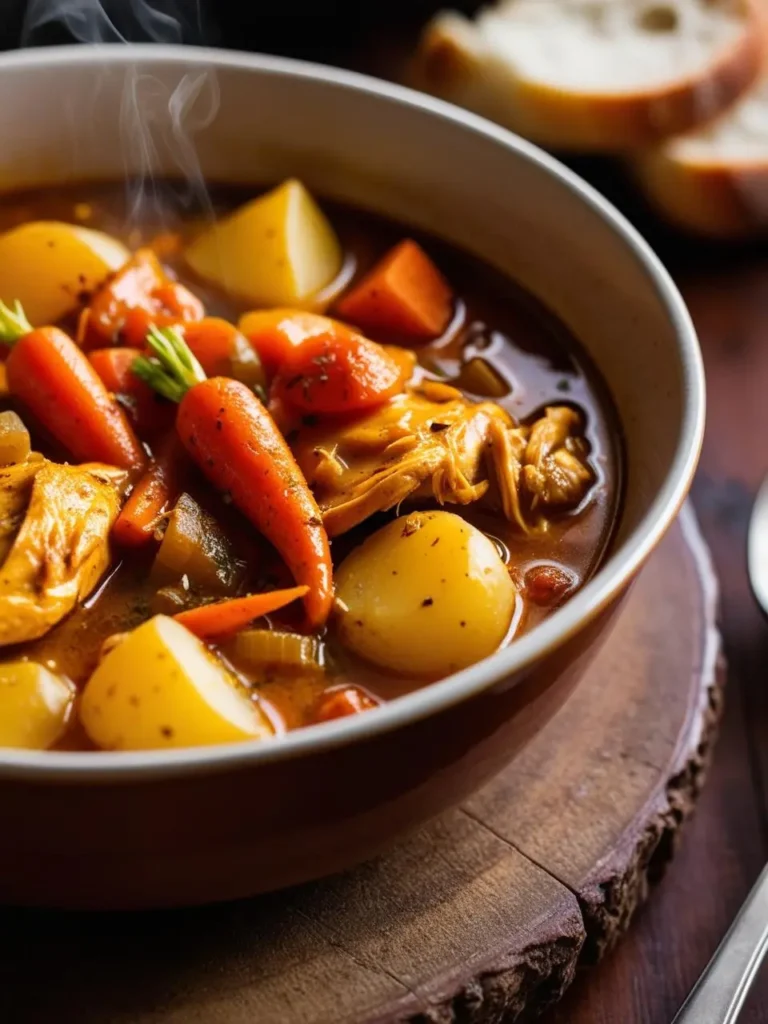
(47, 265)
(34, 705)
(277, 250)
(426, 595)
(161, 687)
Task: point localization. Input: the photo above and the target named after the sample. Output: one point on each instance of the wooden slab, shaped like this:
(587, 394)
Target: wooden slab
(481, 917)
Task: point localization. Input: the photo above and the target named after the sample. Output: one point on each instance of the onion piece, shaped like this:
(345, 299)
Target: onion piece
(257, 649)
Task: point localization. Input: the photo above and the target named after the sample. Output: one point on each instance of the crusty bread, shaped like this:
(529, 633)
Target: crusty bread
(596, 75)
(714, 181)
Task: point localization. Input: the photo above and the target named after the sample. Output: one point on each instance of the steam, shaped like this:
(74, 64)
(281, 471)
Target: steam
(158, 120)
(112, 21)
(158, 124)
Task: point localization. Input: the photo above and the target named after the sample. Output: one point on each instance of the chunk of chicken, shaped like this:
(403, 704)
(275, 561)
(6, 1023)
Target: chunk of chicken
(555, 471)
(432, 442)
(428, 441)
(54, 541)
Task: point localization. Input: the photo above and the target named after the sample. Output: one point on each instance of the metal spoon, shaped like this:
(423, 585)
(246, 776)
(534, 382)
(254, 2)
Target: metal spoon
(720, 992)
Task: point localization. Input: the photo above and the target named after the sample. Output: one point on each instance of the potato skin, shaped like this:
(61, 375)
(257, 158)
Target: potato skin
(49, 265)
(35, 705)
(160, 687)
(425, 596)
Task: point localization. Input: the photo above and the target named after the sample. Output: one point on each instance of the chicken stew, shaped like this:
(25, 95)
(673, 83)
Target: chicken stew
(271, 463)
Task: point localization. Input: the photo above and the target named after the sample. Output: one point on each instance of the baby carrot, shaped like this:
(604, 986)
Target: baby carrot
(153, 495)
(214, 621)
(235, 442)
(53, 378)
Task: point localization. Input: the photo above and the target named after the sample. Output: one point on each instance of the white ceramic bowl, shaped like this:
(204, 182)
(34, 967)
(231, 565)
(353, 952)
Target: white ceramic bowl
(157, 828)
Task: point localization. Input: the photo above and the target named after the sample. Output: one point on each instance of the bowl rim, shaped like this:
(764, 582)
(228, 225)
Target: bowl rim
(598, 594)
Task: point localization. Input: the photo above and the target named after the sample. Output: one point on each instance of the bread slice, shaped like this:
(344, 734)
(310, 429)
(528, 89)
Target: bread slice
(714, 181)
(596, 75)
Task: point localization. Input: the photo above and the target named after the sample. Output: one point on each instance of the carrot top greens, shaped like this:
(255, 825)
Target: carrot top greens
(13, 323)
(172, 369)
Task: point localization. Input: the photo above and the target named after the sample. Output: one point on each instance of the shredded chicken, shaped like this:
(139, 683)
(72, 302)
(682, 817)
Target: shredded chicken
(506, 449)
(433, 442)
(54, 529)
(555, 472)
(414, 445)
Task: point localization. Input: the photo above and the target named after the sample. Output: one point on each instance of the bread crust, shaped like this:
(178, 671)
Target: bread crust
(715, 199)
(449, 66)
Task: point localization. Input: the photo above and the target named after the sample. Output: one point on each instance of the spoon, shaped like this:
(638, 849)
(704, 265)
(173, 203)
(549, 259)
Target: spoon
(720, 992)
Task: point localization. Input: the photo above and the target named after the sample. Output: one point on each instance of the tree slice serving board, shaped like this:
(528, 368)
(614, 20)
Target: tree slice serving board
(481, 917)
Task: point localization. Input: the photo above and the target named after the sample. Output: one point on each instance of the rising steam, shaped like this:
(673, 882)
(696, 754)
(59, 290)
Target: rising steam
(158, 124)
(158, 120)
(112, 21)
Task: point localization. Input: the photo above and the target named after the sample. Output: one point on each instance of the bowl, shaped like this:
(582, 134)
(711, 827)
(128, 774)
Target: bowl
(129, 830)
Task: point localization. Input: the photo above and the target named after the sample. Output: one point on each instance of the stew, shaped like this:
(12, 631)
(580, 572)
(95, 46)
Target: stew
(271, 465)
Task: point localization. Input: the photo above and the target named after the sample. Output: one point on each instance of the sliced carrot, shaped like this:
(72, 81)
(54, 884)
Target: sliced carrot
(342, 702)
(275, 333)
(224, 351)
(213, 621)
(405, 295)
(338, 372)
(138, 295)
(153, 495)
(149, 412)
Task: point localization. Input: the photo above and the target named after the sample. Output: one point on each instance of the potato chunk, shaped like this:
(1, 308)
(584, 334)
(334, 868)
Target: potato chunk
(48, 265)
(277, 250)
(34, 705)
(426, 595)
(160, 687)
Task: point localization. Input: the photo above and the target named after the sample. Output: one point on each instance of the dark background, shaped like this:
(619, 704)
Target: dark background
(315, 29)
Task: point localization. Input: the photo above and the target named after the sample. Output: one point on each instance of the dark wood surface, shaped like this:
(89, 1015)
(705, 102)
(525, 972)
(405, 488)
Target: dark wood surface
(483, 916)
